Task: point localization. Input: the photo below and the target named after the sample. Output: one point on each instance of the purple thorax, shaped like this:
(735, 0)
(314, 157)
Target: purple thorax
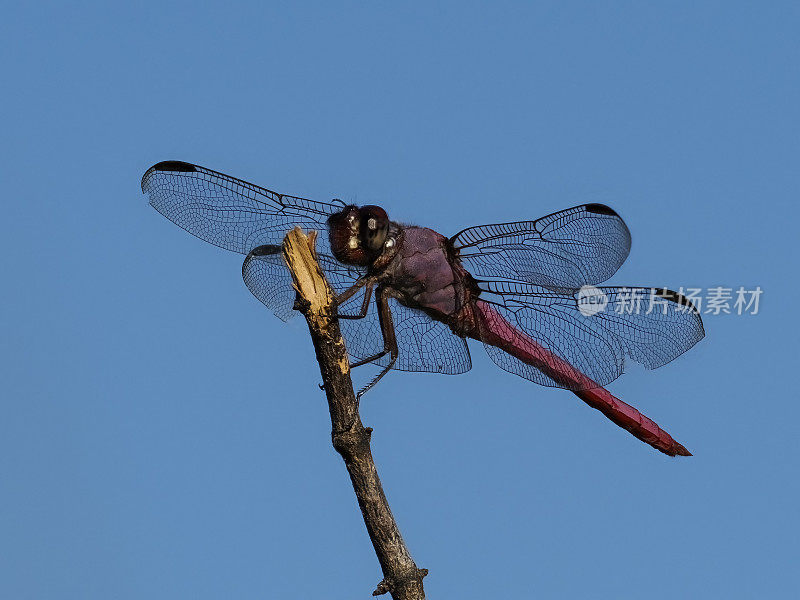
(425, 273)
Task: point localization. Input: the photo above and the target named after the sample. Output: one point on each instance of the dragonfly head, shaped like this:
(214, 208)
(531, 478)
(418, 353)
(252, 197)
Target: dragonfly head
(358, 234)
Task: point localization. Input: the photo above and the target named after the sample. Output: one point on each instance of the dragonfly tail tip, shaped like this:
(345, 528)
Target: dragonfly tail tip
(681, 450)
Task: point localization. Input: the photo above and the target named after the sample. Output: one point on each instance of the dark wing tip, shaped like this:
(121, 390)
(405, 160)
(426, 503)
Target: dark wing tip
(600, 209)
(173, 165)
(167, 166)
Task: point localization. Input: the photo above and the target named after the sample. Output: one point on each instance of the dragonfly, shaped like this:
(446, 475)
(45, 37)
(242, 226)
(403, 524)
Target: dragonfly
(408, 297)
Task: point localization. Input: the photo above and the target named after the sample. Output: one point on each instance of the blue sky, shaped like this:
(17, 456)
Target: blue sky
(163, 435)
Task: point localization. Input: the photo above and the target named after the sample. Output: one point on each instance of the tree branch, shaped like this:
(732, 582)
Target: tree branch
(316, 300)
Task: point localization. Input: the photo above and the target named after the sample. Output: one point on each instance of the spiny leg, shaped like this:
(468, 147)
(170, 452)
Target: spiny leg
(360, 282)
(364, 305)
(389, 341)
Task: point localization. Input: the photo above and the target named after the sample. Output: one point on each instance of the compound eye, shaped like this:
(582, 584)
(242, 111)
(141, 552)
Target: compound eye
(374, 227)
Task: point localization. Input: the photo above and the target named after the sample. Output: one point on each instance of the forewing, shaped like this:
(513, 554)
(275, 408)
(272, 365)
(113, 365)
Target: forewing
(239, 216)
(565, 250)
(649, 326)
(228, 212)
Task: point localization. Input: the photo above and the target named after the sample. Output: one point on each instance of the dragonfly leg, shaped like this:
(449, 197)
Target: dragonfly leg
(361, 282)
(364, 305)
(389, 341)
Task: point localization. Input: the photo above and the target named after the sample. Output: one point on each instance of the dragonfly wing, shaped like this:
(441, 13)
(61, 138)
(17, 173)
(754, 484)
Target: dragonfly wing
(228, 212)
(565, 250)
(424, 345)
(427, 345)
(653, 331)
(267, 277)
(242, 217)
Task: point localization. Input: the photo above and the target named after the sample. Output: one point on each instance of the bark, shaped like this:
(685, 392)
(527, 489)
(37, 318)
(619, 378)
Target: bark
(316, 300)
